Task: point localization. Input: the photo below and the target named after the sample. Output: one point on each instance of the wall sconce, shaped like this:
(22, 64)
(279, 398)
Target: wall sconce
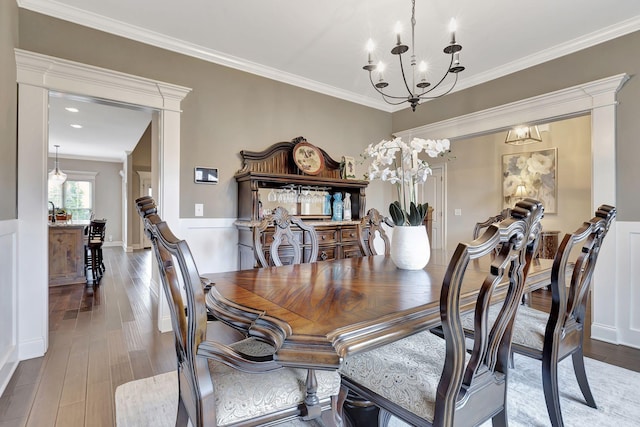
(523, 135)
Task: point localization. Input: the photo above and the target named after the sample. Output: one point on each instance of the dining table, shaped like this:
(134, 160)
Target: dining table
(317, 314)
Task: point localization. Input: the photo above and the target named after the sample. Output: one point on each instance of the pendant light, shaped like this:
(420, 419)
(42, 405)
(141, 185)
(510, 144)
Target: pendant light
(56, 175)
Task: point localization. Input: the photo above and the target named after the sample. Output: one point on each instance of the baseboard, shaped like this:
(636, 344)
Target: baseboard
(8, 367)
(604, 333)
(110, 244)
(31, 349)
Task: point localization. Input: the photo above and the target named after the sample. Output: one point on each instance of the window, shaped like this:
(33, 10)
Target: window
(75, 195)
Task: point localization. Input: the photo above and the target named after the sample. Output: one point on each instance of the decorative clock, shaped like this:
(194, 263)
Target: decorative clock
(308, 158)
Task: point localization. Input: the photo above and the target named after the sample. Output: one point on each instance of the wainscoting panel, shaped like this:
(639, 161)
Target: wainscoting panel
(214, 245)
(8, 301)
(628, 236)
(213, 242)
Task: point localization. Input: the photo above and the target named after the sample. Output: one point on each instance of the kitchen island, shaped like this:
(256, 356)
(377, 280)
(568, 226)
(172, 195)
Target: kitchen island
(66, 254)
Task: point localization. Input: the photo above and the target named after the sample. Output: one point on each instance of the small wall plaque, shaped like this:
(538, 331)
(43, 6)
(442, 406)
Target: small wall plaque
(205, 175)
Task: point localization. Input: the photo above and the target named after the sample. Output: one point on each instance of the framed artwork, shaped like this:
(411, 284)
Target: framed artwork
(532, 174)
(308, 158)
(348, 167)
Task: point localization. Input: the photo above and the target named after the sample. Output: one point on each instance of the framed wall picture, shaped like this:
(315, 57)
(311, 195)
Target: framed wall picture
(531, 174)
(348, 167)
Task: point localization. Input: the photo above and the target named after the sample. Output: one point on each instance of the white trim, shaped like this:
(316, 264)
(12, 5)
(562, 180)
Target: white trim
(9, 230)
(629, 280)
(36, 75)
(599, 99)
(112, 26)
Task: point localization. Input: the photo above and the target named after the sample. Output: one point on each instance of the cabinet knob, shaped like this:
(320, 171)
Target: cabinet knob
(352, 234)
(323, 255)
(324, 237)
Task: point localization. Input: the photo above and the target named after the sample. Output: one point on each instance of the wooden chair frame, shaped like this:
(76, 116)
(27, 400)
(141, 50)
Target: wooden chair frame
(373, 222)
(564, 335)
(469, 393)
(281, 221)
(179, 276)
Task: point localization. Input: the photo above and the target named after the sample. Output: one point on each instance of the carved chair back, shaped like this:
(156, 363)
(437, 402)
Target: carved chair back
(178, 273)
(483, 377)
(506, 213)
(370, 228)
(569, 302)
(283, 236)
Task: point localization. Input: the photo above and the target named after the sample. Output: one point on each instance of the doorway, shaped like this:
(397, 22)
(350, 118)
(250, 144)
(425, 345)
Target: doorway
(35, 80)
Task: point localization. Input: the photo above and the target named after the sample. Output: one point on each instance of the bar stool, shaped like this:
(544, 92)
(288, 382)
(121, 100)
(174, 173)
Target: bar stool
(93, 249)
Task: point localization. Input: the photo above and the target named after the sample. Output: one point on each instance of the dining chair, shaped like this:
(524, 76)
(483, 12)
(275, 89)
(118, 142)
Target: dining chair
(236, 384)
(428, 381)
(551, 336)
(477, 229)
(283, 243)
(370, 229)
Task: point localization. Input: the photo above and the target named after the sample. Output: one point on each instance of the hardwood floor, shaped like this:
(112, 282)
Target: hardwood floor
(99, 338)
(103, 337)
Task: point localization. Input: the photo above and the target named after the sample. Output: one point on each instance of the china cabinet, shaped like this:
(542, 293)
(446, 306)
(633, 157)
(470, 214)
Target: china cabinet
(275, 177)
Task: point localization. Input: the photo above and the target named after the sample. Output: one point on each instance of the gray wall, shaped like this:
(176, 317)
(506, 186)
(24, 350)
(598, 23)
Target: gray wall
(108, 190)
(227, 111)
(604, 60)
(474, 181)
(8, 109)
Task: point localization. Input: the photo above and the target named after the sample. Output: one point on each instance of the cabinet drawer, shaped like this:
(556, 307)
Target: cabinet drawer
(326, 253)
(351, 251)
(349, 234)
(267, 237)
(327, 236)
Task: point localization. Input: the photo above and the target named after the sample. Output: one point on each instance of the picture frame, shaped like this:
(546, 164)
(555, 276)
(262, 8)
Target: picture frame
(348, 170)
(531, 174)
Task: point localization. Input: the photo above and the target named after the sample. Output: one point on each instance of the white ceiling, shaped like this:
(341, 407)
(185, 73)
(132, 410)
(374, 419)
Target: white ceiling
(320, 45)
(108, 132)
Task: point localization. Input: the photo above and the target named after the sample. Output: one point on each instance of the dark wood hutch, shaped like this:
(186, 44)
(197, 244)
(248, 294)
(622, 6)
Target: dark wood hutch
(274, 170)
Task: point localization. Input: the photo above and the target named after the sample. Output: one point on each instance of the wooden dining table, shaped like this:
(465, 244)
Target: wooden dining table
(317, 314)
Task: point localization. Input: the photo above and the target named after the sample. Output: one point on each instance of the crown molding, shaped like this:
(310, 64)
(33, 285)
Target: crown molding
(78, 16)
(112, 26)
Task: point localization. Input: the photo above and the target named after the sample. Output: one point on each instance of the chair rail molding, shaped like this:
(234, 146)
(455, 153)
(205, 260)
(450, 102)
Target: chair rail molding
(38, 74)
(613, 320)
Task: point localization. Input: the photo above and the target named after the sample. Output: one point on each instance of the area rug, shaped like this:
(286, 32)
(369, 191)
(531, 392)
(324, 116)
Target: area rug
(153, 401)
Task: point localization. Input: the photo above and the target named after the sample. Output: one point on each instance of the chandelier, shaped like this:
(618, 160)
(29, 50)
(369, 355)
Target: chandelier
(422, 89)
(56, 175)
(522, 135)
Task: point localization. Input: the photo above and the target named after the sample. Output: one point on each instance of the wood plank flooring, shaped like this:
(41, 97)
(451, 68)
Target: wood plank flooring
(105, 336)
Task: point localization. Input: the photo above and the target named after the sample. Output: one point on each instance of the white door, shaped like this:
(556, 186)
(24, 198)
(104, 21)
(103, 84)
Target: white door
(433, 192)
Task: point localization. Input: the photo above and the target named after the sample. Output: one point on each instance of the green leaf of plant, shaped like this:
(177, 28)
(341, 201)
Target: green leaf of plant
(397, 215)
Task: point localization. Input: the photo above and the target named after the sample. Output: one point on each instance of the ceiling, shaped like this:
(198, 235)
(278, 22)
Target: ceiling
(321, 45)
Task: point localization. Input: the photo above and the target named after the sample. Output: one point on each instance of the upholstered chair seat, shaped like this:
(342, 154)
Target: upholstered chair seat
(528, 328)
(405, 372)
(241, 396)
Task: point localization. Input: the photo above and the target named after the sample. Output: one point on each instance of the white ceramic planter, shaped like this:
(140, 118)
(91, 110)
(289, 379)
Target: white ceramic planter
(410, 249)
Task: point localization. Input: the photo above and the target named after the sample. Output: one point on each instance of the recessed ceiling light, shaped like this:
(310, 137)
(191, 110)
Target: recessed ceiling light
(76, 126)
(72, 109)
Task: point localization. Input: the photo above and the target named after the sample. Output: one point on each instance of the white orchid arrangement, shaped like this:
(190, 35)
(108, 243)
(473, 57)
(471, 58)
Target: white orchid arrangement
(398, 163)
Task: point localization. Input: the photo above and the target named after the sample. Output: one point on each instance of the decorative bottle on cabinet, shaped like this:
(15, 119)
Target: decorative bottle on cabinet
(326, 206)
(337, 207)
(346, 215)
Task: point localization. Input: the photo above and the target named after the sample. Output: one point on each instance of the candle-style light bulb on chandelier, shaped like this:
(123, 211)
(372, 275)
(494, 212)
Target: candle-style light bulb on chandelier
(422, 89)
